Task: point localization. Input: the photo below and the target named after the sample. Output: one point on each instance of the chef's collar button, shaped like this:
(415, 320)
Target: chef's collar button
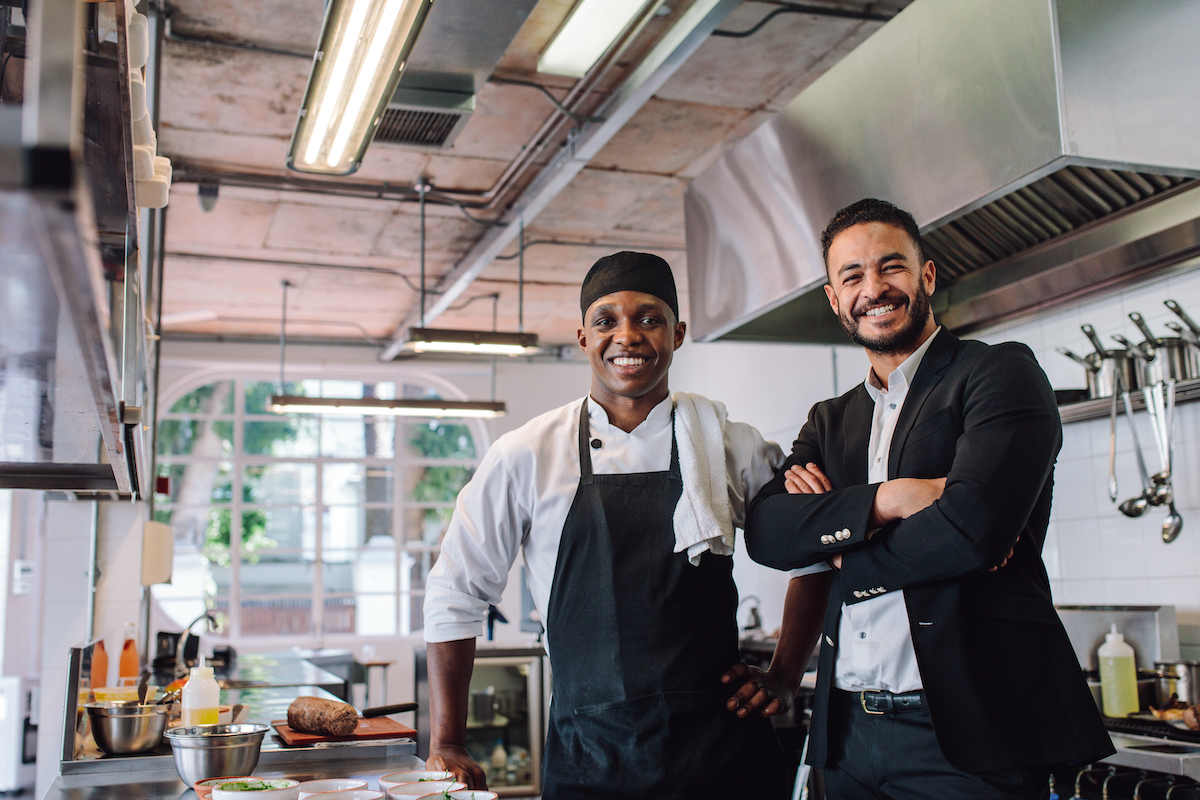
(596, 443)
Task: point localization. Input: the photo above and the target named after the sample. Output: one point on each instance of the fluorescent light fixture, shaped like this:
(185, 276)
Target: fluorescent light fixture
(375, 407)
(586, 35)
(490, 343)
(363, 49)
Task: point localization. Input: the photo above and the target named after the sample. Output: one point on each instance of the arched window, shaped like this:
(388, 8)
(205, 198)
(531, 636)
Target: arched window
(308, 525)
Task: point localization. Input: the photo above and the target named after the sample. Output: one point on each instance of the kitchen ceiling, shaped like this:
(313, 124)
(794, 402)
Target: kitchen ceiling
(350, 245)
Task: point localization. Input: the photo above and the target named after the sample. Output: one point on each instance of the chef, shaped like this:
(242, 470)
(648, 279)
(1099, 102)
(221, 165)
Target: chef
(624, 504)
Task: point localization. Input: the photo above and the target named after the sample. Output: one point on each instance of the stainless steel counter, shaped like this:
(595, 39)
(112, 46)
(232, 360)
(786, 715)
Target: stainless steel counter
(155, 776)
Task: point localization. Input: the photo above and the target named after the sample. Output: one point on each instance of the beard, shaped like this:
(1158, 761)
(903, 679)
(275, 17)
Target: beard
(902, 339)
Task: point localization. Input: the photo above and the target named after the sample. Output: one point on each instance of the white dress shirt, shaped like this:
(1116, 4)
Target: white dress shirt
(876, 649)
(519, 497)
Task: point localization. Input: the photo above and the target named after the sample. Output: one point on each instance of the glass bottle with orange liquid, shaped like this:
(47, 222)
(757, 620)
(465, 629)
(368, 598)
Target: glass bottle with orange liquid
(99, 676)
(129, 668)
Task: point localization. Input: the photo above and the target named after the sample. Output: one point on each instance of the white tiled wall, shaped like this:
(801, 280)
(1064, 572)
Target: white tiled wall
(1093, 553)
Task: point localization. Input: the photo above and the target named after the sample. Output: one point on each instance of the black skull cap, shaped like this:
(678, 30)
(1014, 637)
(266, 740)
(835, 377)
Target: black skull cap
(629, 272)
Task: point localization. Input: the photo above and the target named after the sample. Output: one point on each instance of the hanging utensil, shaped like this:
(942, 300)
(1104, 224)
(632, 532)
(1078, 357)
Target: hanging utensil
(1159, 480)
(1173, 523)
(1112, 449)
(1135, 506)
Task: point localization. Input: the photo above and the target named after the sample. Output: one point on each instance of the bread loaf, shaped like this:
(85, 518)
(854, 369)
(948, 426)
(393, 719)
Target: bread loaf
(324, 717)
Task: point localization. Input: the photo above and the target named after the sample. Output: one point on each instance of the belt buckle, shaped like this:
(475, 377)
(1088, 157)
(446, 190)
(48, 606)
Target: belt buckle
(862, 699)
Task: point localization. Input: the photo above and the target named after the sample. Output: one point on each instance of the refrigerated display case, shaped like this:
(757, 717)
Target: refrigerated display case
(505, 716)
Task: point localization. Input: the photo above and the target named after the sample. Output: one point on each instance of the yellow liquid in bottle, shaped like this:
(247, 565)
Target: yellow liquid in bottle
(1118, 685)
(199, 716)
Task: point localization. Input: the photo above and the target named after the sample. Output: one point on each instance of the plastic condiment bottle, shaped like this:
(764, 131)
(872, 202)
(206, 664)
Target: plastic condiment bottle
(1118, 676)
(201, 697)
(128, 669)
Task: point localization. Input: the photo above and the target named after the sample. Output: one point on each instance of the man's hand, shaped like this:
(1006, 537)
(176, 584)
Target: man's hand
(768, 693)
(1007, 557)
(808, 479)
(900, 498)
(455, 760)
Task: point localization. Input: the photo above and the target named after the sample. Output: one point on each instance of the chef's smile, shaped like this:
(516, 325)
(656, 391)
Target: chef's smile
(630, 337)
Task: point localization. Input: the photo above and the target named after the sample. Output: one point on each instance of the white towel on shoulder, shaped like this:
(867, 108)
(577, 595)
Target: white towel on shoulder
(703, 517)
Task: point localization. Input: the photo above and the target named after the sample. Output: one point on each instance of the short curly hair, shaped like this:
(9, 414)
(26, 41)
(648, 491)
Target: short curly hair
(871, 210)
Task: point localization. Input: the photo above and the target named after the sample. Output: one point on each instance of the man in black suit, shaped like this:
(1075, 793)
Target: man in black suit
(945, 671)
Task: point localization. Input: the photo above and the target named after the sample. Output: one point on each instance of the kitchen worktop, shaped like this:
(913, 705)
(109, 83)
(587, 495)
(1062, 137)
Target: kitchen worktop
(266, 683)
(159, 780)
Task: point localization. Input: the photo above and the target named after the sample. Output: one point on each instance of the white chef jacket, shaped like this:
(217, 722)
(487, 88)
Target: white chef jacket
(876, 650)
(524, 487)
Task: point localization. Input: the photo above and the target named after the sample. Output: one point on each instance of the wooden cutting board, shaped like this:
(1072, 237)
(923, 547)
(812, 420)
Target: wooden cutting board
(373, 728)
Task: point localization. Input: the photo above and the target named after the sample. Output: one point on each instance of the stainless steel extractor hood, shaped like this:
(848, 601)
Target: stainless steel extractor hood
(1045, 147)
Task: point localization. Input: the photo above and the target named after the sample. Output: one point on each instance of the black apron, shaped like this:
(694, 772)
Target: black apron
(639, 639)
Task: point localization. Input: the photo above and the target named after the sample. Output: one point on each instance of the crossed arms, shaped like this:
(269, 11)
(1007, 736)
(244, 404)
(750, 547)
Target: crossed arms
(929, 528)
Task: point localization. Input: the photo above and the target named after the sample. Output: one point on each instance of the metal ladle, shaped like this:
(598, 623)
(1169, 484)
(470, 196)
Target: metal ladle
(1135, 506)
(1173, 523)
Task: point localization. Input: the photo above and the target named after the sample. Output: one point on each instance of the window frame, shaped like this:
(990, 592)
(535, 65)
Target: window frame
(414, 552)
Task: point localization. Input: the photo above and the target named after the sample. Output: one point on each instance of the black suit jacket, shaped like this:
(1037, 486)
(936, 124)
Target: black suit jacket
(1002, 683)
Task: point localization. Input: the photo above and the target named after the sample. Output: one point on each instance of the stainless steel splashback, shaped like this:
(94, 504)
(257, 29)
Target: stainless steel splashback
(1150, 630)
(946, 109)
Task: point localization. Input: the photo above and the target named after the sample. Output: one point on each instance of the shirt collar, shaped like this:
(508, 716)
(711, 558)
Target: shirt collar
(903, 375)
(658, 418)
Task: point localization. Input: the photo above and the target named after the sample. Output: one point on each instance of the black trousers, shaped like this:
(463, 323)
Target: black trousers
(896, 757)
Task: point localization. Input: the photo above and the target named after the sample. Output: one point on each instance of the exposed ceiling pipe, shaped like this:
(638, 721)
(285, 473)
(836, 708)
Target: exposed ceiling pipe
(675, 47)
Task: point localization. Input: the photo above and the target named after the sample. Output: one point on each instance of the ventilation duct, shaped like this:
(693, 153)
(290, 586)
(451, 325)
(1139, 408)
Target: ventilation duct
(1045, 148)
(424, 117)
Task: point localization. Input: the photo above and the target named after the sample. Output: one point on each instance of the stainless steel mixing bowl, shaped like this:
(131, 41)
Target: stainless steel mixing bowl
(127, 728)
(210, 751)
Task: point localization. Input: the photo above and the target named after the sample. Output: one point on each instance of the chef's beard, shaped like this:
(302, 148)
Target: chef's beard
(903, 338)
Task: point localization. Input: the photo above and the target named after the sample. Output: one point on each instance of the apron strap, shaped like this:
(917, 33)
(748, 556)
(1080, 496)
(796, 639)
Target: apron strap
(585, 452)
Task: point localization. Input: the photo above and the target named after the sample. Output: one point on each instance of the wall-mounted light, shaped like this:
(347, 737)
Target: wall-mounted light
(488, 343)
(376, 407)
(363, 49)
(586, 35)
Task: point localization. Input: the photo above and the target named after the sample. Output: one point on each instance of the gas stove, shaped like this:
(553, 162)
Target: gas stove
(1150, 744)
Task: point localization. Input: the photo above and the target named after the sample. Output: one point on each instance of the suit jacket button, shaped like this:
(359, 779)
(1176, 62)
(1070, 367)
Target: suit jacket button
(846, 532)
(857, 593)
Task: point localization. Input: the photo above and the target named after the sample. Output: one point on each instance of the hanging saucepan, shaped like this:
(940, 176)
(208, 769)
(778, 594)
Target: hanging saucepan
(1173, 357)
(1101, 367)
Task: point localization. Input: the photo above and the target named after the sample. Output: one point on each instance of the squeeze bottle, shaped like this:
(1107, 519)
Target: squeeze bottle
(1118, 676)
(201, 697)
(127, 672)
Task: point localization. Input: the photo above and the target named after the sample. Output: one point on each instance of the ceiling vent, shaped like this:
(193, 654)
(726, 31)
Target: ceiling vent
(424, 117)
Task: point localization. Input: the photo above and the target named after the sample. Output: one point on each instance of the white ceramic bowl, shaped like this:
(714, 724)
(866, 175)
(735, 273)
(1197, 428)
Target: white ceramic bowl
(204, 788)
(471, 794)
(331, 785)
(272, 789)
(386, 782)
(411, 791)
(350, 794)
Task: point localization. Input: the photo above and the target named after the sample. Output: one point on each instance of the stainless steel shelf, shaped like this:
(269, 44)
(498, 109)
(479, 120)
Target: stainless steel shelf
(1185, 391)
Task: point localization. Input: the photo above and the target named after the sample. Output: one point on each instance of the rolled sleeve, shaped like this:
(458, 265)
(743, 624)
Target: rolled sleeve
(750, 463)
(478, 551)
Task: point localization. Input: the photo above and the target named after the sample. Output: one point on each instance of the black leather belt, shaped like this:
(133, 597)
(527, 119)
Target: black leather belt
(881, 702)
